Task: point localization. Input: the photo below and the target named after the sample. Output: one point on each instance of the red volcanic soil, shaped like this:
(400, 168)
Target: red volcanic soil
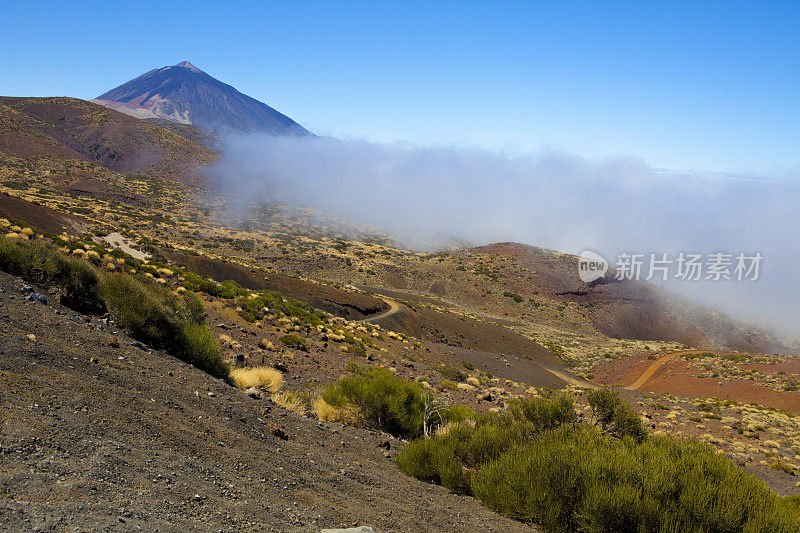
(671, 375)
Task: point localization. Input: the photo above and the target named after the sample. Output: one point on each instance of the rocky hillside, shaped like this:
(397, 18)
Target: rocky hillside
(103, 433)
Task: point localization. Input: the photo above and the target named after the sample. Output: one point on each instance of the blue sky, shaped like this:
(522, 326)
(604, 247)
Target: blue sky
(693, 85)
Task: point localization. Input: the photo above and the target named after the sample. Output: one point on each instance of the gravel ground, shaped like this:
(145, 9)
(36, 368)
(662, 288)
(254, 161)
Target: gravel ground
(99, 433)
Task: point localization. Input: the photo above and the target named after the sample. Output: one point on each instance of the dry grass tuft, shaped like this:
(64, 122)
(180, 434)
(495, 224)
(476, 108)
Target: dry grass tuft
(326, 412)
(291, 401)
(265, 344)
(260, 377)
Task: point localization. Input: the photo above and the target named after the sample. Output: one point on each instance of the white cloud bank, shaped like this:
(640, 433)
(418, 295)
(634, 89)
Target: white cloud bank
(551, 200)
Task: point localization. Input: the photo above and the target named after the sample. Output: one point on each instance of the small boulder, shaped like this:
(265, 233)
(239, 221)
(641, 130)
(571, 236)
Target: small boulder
(485, 396)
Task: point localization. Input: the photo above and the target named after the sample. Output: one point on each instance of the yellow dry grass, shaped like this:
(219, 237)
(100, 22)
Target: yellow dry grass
(291, 401)
(260, 377)
(328, 413)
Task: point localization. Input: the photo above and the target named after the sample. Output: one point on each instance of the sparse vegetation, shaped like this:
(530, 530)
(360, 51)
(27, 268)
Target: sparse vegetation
(255, 306)
(149, 313)
(356, 349)
(514, 296)
(536, 463)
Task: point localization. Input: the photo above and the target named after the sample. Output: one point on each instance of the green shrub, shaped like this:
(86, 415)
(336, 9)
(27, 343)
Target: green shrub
(545, 413)
(783, 467)
(542, 483)
(147, 312)
(514, 296)
(450, 458)
(40, 262)
(293, 341)
(452, 373)
(196, 283)
(616, 416)
(153, 315)
(230, 289)
(382, 400)
(579, 480)
(432, 460)
(356, 349)
(199, 347)
(536, 463)
(194, 307)
(449, 385)
(792, 505)
(459, 413)
(356, 367)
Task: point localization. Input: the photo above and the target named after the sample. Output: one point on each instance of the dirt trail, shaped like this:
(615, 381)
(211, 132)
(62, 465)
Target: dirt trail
(658, 363)
(394, 307)
(567, 377)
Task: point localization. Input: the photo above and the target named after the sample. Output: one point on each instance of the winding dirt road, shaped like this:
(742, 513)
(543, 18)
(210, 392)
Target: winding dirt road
(394, 307)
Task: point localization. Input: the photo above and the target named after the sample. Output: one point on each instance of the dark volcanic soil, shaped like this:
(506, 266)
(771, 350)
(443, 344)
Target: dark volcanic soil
(39, 216)
(464, 332)
(350, 305)
(97, 437)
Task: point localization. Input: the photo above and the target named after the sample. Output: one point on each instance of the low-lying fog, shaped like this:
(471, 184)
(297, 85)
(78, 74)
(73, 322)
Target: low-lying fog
(428, 196)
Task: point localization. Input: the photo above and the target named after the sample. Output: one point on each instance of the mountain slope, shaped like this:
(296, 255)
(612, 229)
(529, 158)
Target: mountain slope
(116, 438)
(183, 93)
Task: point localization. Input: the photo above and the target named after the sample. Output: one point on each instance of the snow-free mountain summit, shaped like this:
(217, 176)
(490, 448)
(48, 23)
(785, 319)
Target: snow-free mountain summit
(184, 93)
